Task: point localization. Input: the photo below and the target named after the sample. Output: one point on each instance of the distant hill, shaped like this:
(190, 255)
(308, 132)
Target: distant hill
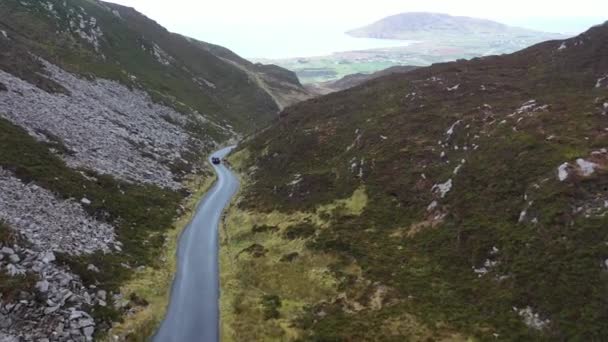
(422, 25)
(437, 38)
(354, 80)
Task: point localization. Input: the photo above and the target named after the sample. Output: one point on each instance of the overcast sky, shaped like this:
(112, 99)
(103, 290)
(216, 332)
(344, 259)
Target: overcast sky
(240, 24)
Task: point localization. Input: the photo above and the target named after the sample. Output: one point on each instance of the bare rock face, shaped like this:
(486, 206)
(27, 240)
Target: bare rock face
(49, 223)
(106, 126)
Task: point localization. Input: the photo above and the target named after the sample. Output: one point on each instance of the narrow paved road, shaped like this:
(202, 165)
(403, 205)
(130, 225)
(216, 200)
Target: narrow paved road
(193, 313)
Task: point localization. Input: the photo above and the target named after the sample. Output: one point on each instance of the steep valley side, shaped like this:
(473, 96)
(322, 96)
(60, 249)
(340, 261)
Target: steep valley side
(106, 120)
(463, 201)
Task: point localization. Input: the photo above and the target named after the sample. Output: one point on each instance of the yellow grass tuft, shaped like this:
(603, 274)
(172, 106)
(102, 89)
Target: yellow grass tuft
(300, 283)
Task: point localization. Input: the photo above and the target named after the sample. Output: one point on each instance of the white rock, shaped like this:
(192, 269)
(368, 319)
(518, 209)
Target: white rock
(443, 188)
(562, 172)
(532, 319)
(601, 81)
(51, 309)
(48, 257)
(457, 169)
(88, 332)
(7, 250)
(522, 216)
(43, 286)
(14, 258)
(450, 130)
(587, 167)
(76, 314)
(161, 56)
(13, 270)
(297, 178)
(102, 294)
(85, 201)
(92, 268)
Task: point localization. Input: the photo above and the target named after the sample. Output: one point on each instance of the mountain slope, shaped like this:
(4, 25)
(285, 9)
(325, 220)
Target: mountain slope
(116, 42)
(463, 200)
(106, 120)
(412, 25)
(281, 84)
(354, 80)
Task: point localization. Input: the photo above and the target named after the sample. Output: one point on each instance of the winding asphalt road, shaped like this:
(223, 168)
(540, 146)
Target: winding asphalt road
(193, 313)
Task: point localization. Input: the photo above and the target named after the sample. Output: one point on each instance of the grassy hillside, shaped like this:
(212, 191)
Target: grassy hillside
(484, 219)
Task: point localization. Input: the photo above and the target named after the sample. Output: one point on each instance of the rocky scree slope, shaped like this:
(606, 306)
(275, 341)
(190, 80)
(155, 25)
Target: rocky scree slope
(487, 186)
(104, 115)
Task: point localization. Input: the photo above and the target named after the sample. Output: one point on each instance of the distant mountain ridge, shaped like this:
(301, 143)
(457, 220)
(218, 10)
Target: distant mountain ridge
(415, 25)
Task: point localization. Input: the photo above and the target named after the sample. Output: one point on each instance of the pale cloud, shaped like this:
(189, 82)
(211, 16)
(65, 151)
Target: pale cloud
(239, 23)
(247, 11)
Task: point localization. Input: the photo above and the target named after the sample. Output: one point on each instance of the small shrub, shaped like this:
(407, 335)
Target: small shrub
(300, 231)
(271, 305)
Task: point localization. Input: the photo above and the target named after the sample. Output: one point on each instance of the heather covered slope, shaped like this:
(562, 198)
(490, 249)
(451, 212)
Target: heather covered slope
(462, 200)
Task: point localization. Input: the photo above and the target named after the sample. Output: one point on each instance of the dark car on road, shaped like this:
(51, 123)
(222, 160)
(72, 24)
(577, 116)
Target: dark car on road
(216, 160)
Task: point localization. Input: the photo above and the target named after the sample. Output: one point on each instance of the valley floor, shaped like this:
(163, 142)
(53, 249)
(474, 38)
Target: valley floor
(272, 279)
(153, 285)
